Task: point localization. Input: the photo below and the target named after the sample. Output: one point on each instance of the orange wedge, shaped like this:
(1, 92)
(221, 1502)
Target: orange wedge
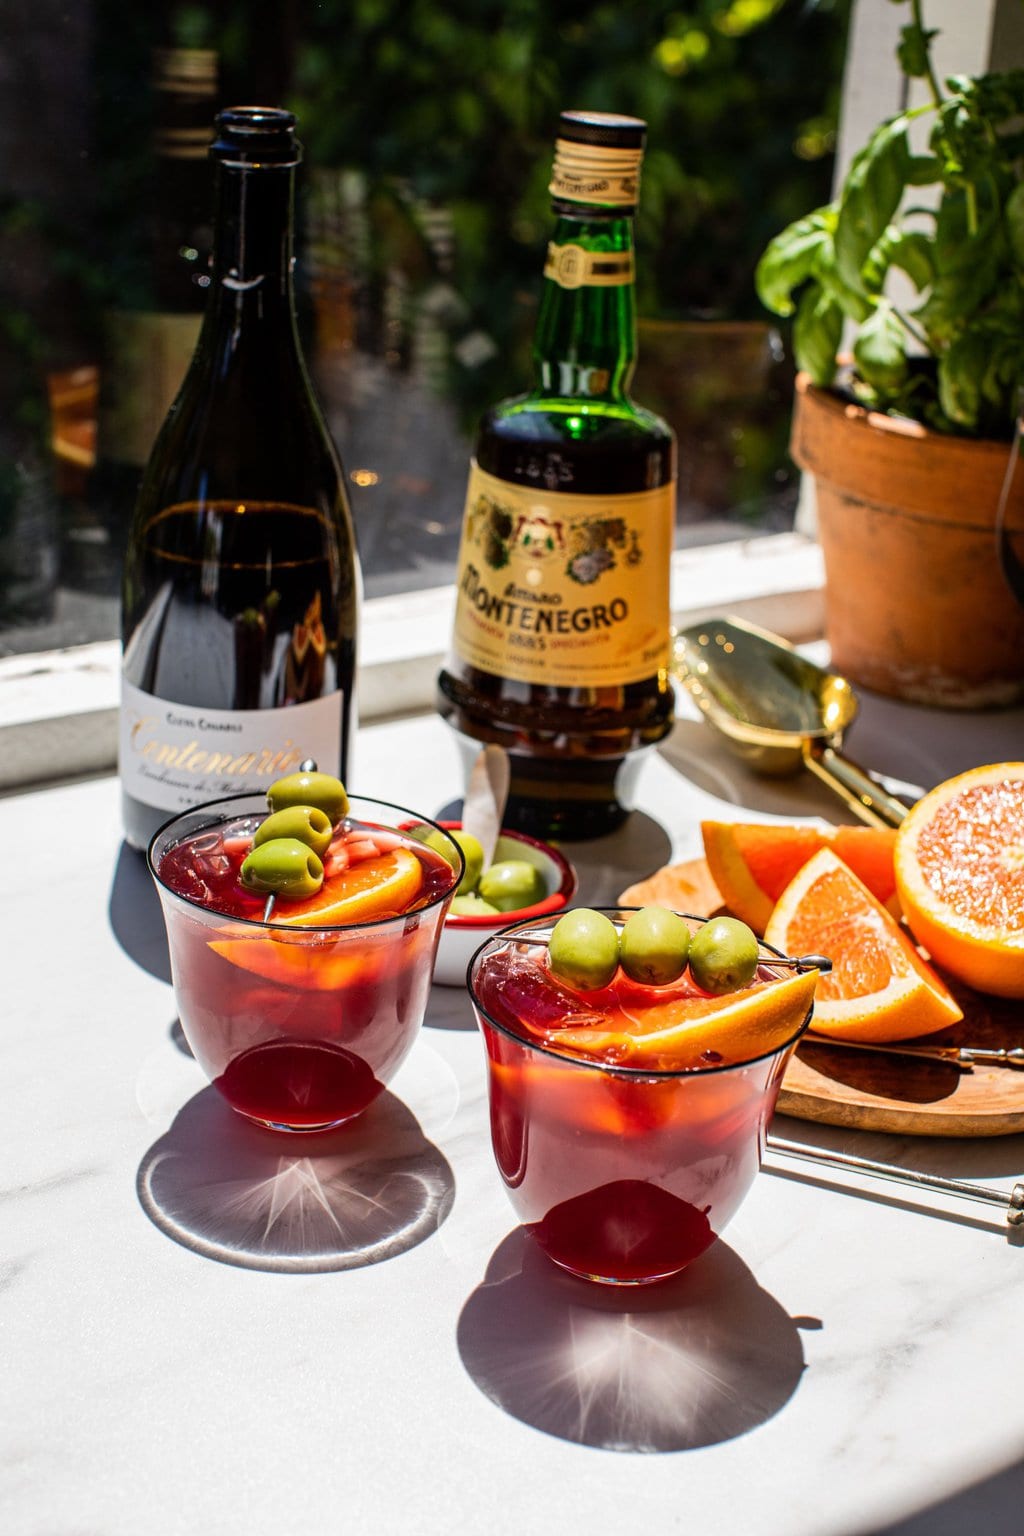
(879, 987)
(307, 967)
(373, 888)
(739, 1026)
(960, 874)
(752, 863)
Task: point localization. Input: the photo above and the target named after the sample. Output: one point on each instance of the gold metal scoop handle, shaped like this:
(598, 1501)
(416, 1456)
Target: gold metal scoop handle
(865, 797)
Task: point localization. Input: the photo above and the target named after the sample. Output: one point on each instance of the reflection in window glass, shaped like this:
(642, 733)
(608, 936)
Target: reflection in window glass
(428, 135)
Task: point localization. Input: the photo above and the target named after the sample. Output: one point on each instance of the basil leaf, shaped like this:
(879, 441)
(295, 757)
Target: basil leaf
(791, 258)
(817, 332)
(1013, 213)
(871, 195)
(880, 349)
(910, 251)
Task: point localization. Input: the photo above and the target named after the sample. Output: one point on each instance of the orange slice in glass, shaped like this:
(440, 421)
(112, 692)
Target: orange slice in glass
(374, 888)
(879, 987)
(675, 1034)
(960, 874)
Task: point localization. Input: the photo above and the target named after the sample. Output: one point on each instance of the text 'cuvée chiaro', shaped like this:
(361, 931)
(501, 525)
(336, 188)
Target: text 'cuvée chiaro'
(561, 636)
(241, 583)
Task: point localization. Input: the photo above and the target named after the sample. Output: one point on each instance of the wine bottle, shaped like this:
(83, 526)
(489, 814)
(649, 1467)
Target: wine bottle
(560, 645)
(241, 581)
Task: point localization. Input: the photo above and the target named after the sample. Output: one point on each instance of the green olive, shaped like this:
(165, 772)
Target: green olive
(283, 867)
(511, 884)
(723, 955)
(472, 852)
(321, 790)
(473, 906)
(584, 949)
(653, 946)
(304, 822)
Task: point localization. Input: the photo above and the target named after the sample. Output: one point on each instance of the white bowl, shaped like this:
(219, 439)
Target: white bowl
(461, 937)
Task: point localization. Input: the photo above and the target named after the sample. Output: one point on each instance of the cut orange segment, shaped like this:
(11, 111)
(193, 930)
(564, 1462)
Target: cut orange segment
(960, 875)
(373, 888)
(752, 863)
(310, 967)
(739, 1026)
(879, 987)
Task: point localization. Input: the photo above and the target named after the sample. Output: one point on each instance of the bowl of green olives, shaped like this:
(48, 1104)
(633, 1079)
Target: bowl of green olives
(525, 879)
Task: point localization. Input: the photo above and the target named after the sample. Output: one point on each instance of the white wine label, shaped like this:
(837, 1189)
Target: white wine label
(173, 756)
(564, 590)
(573, 266)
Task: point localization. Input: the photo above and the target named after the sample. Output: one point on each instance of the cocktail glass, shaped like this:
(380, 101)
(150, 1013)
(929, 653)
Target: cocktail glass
(621, 1174)
(298, 1027)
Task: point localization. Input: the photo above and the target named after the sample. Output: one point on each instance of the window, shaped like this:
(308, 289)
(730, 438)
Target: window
(428, 134)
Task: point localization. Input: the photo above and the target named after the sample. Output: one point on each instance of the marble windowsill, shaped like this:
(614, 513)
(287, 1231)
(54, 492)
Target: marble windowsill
(58, 710)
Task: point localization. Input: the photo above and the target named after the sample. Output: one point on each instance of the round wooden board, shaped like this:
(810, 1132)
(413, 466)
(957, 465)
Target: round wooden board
(874, 1092)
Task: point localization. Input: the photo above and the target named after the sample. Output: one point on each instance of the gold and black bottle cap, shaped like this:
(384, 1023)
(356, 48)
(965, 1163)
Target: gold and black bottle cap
(256, 136)
(597, 160)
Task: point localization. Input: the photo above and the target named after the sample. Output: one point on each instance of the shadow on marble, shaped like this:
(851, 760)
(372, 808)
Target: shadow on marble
(992, 1506)
(230, 1191)
(177, 1038)
(957, 1212)
(692, 1362)
(135, 914)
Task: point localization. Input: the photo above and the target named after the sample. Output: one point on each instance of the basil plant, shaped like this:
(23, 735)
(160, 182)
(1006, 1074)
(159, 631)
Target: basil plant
(953, 357)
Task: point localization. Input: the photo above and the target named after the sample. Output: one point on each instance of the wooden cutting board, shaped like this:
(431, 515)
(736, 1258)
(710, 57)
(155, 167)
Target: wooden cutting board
(875, 1092)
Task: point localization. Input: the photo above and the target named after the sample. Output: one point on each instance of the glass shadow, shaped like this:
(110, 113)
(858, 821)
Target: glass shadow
(692, 1362)
(230, 1191)
(136, 920)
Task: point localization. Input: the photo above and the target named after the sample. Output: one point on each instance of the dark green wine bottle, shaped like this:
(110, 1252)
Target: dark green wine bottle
(241, 581)
(560, 647)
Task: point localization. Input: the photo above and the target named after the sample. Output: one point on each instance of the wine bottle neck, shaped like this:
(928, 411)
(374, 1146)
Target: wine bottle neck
(251, 281)
(585, 341)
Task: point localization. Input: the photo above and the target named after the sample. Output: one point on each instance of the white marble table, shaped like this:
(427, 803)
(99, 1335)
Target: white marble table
(205, 1328)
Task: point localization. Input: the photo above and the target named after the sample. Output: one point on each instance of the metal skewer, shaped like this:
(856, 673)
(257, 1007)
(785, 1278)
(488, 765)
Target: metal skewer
(963, 1056)
(1012, 1203)
(308, 765)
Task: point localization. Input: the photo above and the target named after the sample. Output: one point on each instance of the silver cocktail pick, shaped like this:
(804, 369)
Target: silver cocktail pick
(964, 1057)
(1012, 1203)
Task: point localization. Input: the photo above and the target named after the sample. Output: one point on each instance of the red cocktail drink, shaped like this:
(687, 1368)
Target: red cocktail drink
(300, 1019)
(628, 1123)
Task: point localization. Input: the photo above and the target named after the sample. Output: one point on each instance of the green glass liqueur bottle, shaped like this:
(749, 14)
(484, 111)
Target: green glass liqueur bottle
(560, 647)
(241, 582)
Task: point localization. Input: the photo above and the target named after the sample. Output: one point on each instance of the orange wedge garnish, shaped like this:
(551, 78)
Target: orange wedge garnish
(960, 874)
(738, 1026)
(378, 887)
(879, 987)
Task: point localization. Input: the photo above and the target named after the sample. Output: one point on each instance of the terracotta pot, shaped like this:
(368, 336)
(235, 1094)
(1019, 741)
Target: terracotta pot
(916, 602)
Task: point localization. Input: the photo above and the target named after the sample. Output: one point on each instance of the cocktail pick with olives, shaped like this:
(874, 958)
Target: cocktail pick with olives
(305, 808)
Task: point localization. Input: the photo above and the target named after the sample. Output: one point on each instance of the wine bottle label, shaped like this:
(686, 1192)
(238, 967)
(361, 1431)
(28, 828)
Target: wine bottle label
(564, 590)
(147, 357)
(572, 266)
(172, 756)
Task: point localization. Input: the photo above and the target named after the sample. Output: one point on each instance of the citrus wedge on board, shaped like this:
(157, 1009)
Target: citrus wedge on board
(879, 987)
(373, 888)
(752, 863)
(669, 1036)
(960, 873)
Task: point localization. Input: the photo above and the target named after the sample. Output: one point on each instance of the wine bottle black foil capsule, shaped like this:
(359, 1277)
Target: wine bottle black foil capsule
(241, 580)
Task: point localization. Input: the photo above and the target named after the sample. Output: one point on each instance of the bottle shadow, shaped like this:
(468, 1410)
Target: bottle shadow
(230, 1191)
(692, 1362)
(136, 919)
